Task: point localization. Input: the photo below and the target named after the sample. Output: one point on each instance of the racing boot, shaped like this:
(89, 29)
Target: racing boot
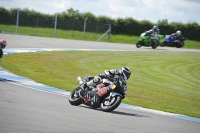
(82, 84)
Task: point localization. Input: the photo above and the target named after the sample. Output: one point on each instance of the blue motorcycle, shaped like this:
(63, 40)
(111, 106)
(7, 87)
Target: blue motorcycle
(172, 41)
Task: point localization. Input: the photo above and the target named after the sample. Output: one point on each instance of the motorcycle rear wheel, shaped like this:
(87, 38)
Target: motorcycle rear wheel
(73, 99)
(162, 44)
(108, 106)
(139, 44)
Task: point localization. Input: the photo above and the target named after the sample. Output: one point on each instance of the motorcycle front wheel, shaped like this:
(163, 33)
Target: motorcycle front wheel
(155, 45)
(108, 105)
(74, 98)
(179, 45)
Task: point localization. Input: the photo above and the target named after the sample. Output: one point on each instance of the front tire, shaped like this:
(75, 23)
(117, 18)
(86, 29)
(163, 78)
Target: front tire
(74, 99)
(108, 106)
(179, 45)
(155, 45)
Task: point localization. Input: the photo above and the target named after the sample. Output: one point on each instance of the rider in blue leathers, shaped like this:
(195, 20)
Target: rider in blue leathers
(178, 35)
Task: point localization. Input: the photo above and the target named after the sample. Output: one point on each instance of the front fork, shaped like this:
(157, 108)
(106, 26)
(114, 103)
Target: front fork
(113, 94)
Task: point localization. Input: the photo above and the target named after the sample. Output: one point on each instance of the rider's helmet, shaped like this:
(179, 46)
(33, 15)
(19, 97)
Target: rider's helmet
(2, 44)
(178, 33)
(155, 28)
(125, 72)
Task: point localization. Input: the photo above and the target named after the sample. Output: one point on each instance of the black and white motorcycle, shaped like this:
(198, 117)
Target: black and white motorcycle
(106, 103)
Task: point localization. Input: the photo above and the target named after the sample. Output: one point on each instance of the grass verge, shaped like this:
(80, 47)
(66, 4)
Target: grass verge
(166, 81)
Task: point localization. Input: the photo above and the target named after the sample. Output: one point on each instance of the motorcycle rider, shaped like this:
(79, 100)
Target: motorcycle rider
(178, 35)
(3, 44)
(154, 32)
(112, 75)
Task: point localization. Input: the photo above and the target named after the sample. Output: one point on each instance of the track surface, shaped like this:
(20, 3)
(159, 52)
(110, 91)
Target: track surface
(16, 41)
(25, 110)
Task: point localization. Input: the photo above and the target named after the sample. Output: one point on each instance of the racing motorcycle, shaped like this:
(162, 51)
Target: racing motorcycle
(149, 40)
(172, 41)
(89, 97)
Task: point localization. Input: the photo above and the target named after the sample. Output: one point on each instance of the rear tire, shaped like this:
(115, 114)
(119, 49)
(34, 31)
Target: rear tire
(73, 99)
(107, 106)
(139, 44)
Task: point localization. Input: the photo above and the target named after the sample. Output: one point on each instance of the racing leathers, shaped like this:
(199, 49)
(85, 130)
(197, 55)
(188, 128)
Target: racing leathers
(179, 37)
(104, 82)
(153, 34)
(2, 46)
(1, 54)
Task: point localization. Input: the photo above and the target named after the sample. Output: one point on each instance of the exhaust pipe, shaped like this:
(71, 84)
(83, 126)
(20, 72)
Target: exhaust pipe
(80, 81)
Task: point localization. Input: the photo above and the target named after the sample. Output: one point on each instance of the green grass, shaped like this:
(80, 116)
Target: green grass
(166, 81)
(77, 35)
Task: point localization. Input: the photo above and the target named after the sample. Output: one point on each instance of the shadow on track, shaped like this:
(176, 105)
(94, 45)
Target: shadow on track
(149, 48)
(6, 80)
(128, 114)
(116, 112)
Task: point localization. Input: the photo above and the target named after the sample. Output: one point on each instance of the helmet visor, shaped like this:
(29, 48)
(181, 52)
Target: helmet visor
(155, 30)
(127, 75)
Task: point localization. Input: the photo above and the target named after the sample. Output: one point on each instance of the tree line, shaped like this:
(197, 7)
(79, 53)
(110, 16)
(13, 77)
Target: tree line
(126, 26)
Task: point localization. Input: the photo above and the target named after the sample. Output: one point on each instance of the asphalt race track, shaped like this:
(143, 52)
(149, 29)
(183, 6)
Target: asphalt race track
(28, 110)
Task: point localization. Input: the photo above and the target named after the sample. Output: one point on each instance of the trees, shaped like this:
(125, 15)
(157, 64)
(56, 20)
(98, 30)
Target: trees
(128, 26)
(73, 14)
